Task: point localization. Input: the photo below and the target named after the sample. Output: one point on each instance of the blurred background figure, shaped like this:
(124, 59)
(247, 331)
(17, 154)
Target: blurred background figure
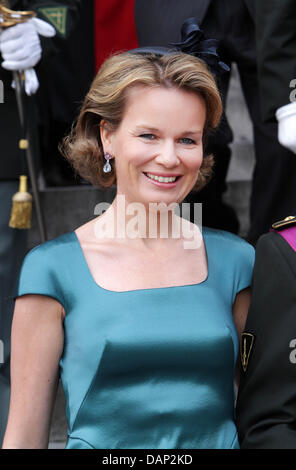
(68, 78)
(276, 49)
(158, 22)
(22, 47)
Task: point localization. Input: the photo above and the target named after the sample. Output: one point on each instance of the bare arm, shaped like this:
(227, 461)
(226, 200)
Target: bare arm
(240, 311)
(37, 340)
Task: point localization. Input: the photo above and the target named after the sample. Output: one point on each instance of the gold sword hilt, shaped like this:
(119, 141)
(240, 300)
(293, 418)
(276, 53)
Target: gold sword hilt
(11, 18)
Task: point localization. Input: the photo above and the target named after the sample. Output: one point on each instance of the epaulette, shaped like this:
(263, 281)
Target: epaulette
(287, 229)
(287, 222)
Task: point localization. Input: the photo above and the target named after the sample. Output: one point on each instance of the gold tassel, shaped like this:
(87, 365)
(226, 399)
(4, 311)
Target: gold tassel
(21, 206)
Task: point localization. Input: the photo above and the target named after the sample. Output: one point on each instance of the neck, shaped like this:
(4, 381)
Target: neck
(148, 225)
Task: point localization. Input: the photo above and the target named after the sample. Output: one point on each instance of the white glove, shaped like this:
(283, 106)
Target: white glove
(20, 44)
(21, 50)
(31, 82)
(286, 116)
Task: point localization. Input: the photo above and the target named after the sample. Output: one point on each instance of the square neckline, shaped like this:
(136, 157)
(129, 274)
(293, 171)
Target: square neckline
(78, 244)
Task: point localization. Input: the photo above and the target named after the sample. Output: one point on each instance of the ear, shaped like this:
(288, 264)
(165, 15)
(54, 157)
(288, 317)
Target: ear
(106, 136)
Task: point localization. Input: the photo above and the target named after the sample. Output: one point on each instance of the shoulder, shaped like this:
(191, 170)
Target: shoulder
(51, 249)
(43, 268)
(230, 243)
(281, 234)
(234, 259)
(268, 240)
(48, 259)
(278, 245)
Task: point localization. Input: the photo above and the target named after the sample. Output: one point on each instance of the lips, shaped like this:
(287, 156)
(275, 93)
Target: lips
(165, 175)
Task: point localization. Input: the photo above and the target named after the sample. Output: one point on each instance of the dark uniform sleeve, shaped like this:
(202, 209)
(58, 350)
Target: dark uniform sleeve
(63, 16)
(266, 403)
(276, 46)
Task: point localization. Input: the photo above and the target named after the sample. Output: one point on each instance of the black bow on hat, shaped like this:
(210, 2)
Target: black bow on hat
(192, 42)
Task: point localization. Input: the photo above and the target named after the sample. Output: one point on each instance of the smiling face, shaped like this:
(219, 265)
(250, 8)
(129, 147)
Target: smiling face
(160, 135)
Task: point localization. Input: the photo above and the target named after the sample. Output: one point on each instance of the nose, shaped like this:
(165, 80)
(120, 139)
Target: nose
(167, 155)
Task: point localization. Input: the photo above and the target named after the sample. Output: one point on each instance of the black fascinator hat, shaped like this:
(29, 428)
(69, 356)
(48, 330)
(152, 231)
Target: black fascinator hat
(192, 42)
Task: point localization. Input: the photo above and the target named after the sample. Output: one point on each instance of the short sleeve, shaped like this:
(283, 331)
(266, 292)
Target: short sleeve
(39, 274)
(244, 265)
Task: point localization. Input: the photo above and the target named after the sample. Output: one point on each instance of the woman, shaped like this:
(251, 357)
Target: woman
(144, 329)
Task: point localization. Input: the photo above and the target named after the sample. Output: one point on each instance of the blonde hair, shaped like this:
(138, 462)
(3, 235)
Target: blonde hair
(106, 101)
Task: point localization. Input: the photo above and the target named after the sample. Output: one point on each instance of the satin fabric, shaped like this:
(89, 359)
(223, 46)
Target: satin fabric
(147, 368)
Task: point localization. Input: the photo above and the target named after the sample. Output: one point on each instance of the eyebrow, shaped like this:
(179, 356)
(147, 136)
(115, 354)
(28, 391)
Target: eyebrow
(154, 129)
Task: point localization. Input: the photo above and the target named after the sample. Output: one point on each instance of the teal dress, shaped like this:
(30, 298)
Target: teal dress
(147, 368)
